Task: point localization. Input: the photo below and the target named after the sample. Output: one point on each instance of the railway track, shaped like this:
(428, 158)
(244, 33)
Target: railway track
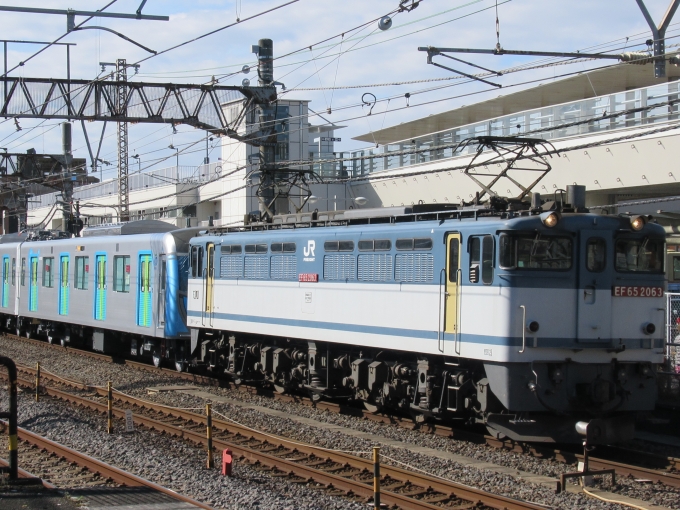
(654, 467)
(333, 471)
(60, 467)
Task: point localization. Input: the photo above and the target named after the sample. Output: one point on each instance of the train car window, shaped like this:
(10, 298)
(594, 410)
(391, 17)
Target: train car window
(82, 268)
(236, 249)
(121, 273)
(48, 272)
(487, 260)
(454, 250)
(639, 255)
(596, 254)
(330, 246)
(276, 247)
(535, 251)
(14, 272)
(475, 256)
(23, 271)
(366, 245)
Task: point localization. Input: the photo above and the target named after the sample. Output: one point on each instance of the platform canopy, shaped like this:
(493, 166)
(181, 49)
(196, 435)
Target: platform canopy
(585, 85)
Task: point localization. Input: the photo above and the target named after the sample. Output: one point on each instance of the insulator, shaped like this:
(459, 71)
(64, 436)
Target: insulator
(636, 57)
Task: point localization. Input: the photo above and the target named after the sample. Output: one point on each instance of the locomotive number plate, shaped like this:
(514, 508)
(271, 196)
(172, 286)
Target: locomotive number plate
(308, 277)
(636, 291)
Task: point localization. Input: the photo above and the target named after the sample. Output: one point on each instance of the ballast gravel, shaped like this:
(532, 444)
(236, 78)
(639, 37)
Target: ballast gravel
(168, 462)
(136, 382)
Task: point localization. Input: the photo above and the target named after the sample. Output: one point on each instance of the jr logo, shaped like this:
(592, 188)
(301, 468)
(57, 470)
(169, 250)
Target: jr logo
(309, 251)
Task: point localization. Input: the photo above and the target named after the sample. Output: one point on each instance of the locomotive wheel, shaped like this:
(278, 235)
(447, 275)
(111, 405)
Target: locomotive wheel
(50, 338)
(279, 389)
(180, 366)
(62, 340)
(156, 360)
(28, 332)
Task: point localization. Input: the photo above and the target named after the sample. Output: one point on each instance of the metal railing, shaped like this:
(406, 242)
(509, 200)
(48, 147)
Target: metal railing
(170, 176)
(669, 378)
(548, 123)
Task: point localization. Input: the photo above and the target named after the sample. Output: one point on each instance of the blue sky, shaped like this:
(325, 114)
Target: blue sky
(364, 58)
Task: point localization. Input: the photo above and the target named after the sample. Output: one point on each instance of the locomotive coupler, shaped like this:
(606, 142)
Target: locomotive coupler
(582, 429)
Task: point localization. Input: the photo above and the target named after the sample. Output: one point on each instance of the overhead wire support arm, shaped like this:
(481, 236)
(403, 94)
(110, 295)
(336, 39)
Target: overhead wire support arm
(100, 14)
(659, 35)
(501, 51)
(435, 51)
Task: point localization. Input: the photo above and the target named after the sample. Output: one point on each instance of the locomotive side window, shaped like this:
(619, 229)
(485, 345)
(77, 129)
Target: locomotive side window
(534, 251)
(23, 271)
(640, 255)
(487, 260)
(196, 261)
(338, 246)
(283, 247)
(375, 245)
(48, 272)
(257, 248)
(596, 254)
(475, 255)
(454, 249)
(233, 249)
(14, 272)
(82, 267)
(676, 268)
(423, 243)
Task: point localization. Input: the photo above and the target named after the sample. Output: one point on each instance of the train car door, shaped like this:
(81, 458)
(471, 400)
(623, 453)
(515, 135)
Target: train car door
(33, 283)
(100, 288)
(144, 291)
(452, 294)
(594, 295)
(63, 285)
(162, 286)
(5, 281)
(209, 279)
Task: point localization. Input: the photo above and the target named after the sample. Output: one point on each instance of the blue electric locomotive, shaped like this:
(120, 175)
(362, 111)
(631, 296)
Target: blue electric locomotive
(527, 320)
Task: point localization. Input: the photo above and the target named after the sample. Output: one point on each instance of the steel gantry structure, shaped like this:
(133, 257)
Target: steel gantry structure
(124, 101)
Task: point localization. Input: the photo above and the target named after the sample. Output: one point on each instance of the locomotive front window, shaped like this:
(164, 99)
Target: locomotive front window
(535, 251)
(640, 255)
(596, 254)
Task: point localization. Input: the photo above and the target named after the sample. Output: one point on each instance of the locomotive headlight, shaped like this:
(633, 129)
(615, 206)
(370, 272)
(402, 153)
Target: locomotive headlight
(550, 218)
(637, 222)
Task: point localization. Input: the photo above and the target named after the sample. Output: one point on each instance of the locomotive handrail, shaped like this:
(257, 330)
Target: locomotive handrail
(459, 315)
(442, 323)
(524, 329)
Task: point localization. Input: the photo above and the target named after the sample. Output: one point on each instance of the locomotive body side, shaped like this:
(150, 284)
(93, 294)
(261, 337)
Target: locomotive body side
(430, 316)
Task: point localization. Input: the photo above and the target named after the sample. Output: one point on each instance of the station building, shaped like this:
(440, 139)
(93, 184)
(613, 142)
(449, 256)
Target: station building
(615, 130)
